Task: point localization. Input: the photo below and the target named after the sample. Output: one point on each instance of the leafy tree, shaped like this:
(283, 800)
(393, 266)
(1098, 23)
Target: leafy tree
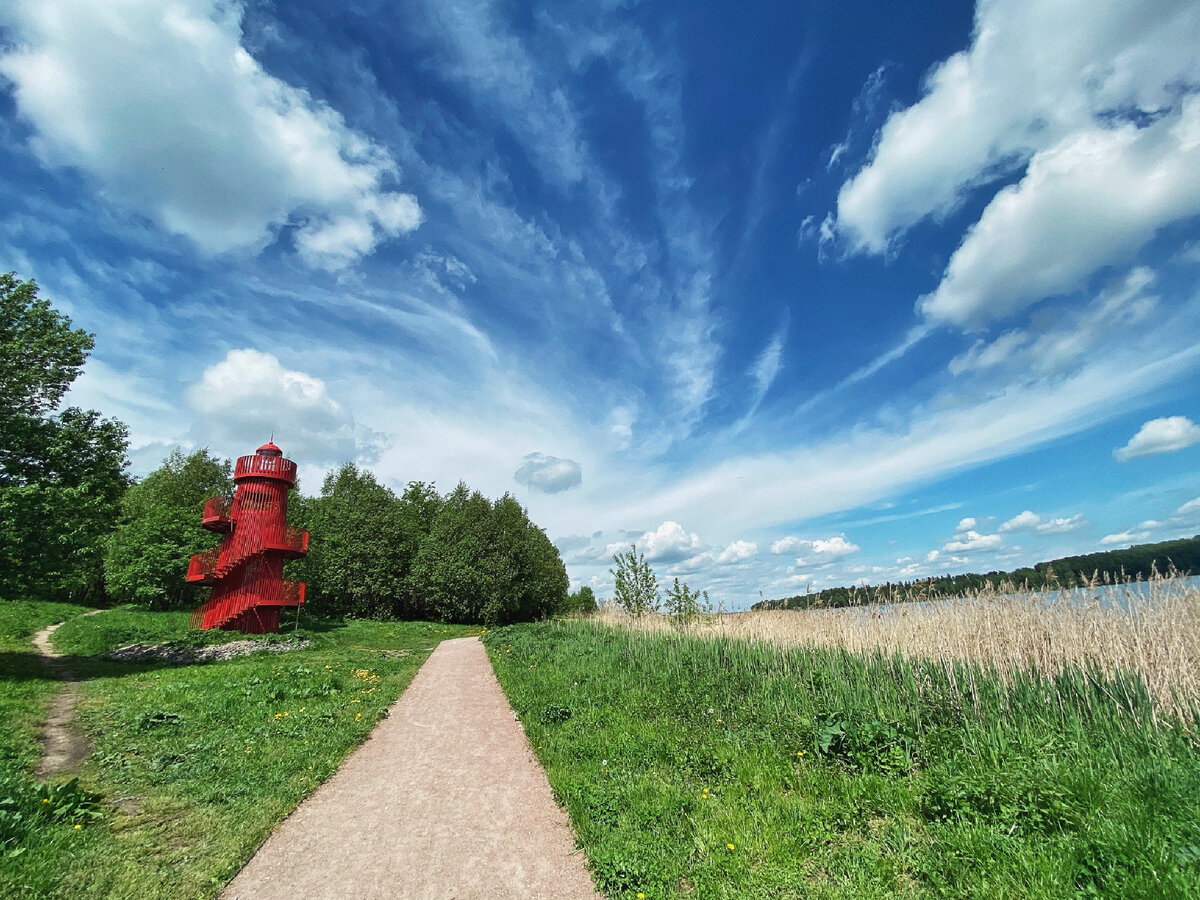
(359, 536)
(159, 530)
(486, 562)
(635, 586)
(455, 568)
(582, 601)
(61, 474)
(684, 604)
(419, 507)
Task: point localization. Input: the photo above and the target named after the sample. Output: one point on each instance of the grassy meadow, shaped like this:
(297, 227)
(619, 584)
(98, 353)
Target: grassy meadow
(192, 765)
(993, 747)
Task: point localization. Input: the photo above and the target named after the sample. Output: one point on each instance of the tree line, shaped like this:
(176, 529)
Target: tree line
(1134, 563)
(75, 525)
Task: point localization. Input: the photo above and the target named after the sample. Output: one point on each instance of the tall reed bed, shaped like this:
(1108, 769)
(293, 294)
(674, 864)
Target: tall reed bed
(726, 763)
(1146, 641)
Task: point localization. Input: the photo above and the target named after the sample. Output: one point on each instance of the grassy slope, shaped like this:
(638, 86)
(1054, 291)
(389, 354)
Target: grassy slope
(715, 769)
(192, 765)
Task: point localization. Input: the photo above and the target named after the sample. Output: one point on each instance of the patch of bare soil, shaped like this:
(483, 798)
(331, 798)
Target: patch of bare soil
(64, 744)
(170, 653)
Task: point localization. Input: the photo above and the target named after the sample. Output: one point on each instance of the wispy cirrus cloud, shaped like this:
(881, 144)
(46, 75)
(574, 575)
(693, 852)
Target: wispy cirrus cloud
(477, 49)
(1031, 521)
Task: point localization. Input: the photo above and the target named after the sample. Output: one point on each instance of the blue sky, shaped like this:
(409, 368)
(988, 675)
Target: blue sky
(790, 295)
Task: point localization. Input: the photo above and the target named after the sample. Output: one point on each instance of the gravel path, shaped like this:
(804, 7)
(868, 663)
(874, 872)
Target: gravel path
(444, 800)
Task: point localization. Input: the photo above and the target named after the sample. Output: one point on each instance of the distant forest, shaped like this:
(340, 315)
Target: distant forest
(1130, 564)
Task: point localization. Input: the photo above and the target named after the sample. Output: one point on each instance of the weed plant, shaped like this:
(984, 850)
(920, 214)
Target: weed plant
(191, 766)
(715, 767)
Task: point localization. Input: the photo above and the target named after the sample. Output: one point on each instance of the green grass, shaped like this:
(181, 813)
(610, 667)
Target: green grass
(191, 765)
(25, 689)
(835, 775)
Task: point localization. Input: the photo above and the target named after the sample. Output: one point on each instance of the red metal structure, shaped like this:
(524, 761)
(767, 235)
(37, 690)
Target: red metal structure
(246, 568)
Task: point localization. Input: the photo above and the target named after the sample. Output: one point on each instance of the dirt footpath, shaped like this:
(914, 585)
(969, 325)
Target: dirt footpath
(444, 800)
(63, 743)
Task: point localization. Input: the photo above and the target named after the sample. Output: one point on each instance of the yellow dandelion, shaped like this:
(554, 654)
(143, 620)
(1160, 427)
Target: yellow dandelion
(641, 896)
(45, 799)
(303, 708)
(77, 827)
(730, 846)
(359, 716)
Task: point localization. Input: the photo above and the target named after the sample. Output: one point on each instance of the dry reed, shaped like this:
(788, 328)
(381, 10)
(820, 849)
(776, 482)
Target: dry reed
(1154, 632)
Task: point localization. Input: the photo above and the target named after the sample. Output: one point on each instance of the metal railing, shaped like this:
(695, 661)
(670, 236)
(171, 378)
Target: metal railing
(216, 508)
(271, 466)
(203, 565)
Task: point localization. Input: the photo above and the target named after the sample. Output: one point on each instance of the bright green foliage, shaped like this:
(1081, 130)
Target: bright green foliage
(364, 540)
(582, 601)
(696, 767)
(635, 586)
(40, 354)
(486, 562)
(147, 556)
(61, 475)
(683, 604)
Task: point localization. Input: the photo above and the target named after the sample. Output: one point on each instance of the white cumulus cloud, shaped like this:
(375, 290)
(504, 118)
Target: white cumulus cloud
(834, 547)
(548, 474)
(822, 550)
(160, 104)
(1062, 524)
(1031, 521)
(1164, 435)
(787, 545)
(737, 552)
(973, 540)
(249, 395)
(1124, 537)
(1109, 188)
(1084, 101)
(1023, 521)
(669, 543)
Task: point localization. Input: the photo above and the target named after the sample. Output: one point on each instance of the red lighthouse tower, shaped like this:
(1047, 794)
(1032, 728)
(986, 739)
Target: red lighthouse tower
(246, 568)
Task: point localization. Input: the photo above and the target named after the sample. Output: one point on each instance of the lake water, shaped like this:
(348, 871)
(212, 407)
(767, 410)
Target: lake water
(1120, 596)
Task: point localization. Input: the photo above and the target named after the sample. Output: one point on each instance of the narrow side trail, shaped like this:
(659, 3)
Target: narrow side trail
(444, 800)
(63, 743)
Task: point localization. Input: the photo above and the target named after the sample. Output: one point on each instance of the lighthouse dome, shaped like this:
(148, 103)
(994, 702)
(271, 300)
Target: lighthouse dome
(269, 449)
